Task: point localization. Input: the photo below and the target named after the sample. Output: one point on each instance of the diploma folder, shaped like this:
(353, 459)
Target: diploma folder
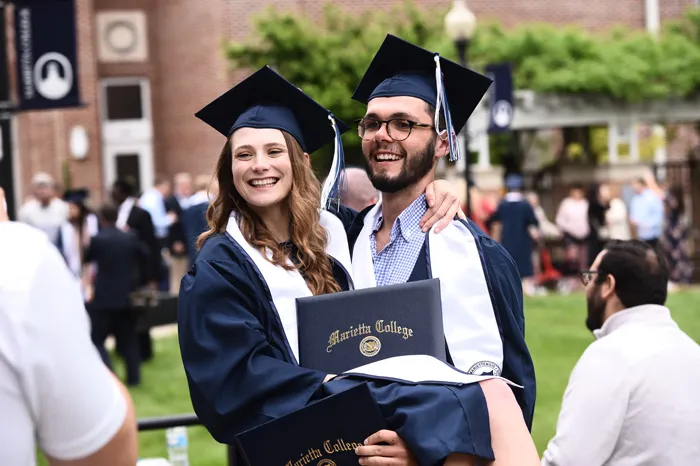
(323, 433)
(349, 329)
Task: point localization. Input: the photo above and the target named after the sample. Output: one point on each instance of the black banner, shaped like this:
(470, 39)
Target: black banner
(4, 72)
(7, 180)
(47, 65)
(500, 97)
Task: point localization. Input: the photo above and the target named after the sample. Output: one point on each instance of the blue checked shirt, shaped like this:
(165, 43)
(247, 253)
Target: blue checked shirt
(396, 261)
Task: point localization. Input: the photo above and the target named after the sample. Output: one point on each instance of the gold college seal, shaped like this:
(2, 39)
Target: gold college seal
(326, 463)
(370, 346)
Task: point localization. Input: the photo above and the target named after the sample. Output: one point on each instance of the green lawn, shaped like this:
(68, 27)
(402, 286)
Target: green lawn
(556, 335)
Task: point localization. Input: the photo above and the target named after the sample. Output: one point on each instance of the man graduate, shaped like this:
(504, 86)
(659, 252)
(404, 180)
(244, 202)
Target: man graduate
(238, 332)
(416, 103)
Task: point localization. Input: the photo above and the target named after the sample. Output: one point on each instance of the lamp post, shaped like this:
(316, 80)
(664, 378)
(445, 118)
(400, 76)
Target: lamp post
(460, 24)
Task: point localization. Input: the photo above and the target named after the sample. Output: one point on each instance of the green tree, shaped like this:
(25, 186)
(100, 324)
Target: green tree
(327, 58)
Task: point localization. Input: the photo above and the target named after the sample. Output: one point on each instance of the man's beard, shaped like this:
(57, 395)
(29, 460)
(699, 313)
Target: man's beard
(414, 168)
(596, 310)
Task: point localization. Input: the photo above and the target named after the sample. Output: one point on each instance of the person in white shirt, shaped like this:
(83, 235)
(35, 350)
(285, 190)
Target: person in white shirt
(194, 217)
(632, 398)
(647, 213)
(572, 220)
(548, 230)
(44, 210)
(617, 224)
(55, 393)
(153, 202)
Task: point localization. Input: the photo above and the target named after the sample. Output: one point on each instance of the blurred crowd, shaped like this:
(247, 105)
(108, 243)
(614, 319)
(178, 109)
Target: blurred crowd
(145, 242)
(552, 250)
(135, 243)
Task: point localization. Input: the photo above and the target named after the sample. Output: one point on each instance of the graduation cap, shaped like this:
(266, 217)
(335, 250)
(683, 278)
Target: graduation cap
(514, 181)
(403, 69)
(76, 196)
(267, 100)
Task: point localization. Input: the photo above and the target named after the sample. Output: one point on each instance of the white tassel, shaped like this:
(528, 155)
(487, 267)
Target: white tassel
(330, 194)
(442, 105)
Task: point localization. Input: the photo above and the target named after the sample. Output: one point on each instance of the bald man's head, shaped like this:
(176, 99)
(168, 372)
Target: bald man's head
(358, 192)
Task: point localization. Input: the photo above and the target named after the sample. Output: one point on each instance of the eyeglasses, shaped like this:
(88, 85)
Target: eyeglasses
(587, 276)
(398, 129)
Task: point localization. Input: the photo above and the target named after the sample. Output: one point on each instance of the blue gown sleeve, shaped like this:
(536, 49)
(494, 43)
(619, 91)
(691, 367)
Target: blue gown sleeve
(237, 378)
(507, 297)
(433, 420)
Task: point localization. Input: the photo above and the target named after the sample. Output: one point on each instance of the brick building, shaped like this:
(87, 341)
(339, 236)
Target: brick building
(147, 65)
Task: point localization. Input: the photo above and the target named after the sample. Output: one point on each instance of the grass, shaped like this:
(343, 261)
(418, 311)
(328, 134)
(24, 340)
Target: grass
(163, 392)
(556, 336)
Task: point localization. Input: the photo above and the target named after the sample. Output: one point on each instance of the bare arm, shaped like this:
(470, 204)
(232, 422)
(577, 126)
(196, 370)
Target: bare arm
(510, 439)
(121, 450)
(83, 416)
(653, 185)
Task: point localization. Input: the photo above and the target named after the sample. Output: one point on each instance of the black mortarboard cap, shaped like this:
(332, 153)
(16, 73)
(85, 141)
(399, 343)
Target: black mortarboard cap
(267, 100)
(400, 68)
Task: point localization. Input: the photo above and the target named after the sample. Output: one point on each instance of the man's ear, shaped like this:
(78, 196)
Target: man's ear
(442, 144)
(608, 287)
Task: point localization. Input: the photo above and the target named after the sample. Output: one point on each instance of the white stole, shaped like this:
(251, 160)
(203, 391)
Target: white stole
(469, 321)
(124, 212)
(287, 285)
(71, 248)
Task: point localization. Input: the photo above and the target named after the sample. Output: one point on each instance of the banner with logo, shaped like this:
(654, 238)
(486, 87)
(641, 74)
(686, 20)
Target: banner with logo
(500, 97)
(47, 65)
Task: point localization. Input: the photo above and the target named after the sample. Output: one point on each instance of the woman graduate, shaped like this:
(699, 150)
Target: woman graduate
(268, 244)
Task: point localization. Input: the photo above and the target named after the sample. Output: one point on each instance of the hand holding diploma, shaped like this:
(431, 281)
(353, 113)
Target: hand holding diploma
(385, 448)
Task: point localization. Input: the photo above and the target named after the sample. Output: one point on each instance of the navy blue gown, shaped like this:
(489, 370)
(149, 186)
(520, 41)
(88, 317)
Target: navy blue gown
(505, 288)
(516, 217)
(241, 371)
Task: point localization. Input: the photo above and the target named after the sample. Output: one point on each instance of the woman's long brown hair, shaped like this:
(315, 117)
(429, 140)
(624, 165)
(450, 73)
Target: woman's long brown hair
(305, 229)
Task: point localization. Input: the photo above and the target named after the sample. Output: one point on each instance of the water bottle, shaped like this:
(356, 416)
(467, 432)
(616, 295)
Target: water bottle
(177, 446)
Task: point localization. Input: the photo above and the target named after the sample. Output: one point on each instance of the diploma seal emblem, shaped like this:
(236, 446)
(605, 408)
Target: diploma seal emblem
(485, 368)
(370, 346)
(326, 463)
